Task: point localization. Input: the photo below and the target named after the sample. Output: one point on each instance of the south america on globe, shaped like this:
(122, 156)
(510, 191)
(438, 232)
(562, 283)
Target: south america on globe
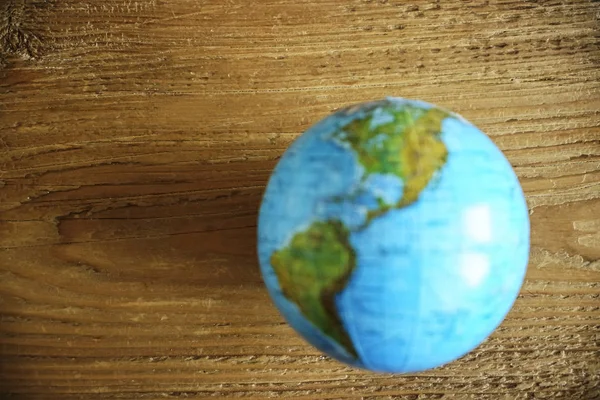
(393, 236)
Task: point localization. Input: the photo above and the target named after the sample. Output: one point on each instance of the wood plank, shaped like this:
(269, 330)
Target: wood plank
(136, 138)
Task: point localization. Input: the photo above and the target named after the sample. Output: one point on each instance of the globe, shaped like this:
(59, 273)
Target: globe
(393, 236)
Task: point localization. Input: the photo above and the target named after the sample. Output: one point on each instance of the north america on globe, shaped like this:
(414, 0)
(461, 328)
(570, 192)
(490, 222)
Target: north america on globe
(398, 143)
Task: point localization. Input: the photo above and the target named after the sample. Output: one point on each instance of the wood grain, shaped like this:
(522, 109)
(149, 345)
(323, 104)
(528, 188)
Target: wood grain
(136, 138)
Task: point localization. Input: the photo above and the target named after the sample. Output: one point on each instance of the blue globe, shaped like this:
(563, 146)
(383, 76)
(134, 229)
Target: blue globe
(393, 236)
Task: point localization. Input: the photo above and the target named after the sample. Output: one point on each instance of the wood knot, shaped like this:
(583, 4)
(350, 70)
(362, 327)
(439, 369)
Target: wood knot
(18, 37)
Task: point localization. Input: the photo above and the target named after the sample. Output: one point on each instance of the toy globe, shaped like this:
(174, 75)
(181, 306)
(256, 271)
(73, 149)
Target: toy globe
(393, 236)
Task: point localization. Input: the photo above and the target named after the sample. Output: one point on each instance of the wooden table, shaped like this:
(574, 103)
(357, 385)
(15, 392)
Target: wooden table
(136, 138)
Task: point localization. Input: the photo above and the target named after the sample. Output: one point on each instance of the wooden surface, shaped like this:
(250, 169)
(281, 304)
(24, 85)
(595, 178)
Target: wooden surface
(136, 138)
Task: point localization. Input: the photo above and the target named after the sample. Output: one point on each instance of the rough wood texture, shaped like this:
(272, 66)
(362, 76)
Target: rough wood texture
(136, 138)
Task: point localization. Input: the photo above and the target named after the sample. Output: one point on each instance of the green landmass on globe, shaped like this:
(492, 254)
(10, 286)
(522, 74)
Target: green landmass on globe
(314, 266)
(318, 262)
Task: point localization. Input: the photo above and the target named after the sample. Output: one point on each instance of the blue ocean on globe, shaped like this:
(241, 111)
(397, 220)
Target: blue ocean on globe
(393, 236)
